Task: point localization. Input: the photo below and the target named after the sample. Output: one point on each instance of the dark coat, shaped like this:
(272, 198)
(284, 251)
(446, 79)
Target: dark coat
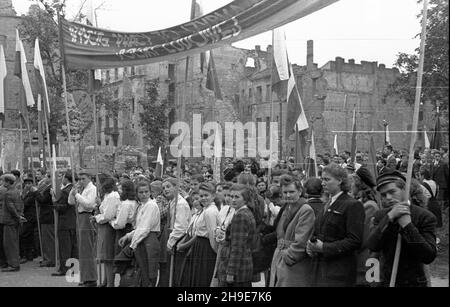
(317, 205)
(235, 257)
(45, 203)
(341, 231)
(11, 206)
(67, 217)
(29, 207)
(440, 176)
(418, 246)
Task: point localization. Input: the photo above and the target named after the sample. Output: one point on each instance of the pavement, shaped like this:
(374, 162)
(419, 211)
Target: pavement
(31, 275)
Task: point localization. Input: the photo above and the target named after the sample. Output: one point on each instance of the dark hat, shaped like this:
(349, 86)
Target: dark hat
(28, 179)
(87, 172)
(388, 177)
(366, 176)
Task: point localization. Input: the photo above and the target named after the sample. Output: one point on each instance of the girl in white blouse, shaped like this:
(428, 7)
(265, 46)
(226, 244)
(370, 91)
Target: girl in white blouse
(126, 212)
(106, 235)
(144, 237)
(200, 263)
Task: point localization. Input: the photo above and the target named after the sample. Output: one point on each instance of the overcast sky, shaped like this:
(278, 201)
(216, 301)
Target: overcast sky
(369, 30)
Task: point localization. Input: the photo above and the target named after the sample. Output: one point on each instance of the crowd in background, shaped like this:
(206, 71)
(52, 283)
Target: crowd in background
(284, 225)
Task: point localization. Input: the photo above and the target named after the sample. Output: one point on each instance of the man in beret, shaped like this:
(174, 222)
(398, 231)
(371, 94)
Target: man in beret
(416, 226)
(11, 210)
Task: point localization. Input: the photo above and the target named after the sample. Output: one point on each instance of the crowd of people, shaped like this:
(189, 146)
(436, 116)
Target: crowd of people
(186, 230)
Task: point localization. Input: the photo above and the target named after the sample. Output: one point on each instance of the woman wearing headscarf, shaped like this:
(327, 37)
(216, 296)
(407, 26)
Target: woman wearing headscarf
(363, 189)
(338, 233)
(235, 263)
(106, 235)
(199, 268)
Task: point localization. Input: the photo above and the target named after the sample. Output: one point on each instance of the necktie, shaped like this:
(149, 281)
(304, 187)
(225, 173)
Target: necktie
(327, 205)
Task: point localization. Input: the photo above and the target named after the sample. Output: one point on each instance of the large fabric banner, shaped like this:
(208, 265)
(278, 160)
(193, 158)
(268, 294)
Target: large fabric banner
(94, 48)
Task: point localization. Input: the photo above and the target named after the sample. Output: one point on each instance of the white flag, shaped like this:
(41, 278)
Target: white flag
(336, 145)
(427, 140)
(3, 73)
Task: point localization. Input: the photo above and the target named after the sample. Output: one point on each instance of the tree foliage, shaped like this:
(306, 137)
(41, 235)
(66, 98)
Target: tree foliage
(42, 24)
(436, 64)
(153, 118)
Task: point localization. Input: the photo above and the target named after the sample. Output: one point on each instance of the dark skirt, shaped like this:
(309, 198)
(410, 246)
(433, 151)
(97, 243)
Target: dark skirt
(106, 239)
(198, 269)
(147, 258)
(119, 234)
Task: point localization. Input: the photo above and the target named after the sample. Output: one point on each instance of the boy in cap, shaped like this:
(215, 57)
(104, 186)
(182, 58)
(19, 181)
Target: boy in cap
(416, 226)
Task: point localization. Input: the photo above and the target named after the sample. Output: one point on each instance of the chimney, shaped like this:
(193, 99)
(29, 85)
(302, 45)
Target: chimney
(351, 61)
(310, 55)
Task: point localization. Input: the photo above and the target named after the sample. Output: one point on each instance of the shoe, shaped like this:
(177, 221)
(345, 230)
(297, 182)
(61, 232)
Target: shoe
(3, 266)
(90, 284)
(23, 261)
(58, 274)
(11, 269)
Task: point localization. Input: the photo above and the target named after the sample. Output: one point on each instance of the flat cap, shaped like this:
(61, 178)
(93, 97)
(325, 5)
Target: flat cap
(87, 172)
(389, 176)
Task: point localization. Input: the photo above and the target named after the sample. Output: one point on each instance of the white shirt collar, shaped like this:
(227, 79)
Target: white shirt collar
(335, 197)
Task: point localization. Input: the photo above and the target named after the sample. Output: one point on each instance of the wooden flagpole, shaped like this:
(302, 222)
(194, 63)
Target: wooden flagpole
(66, 104)
(413, 134)
(272, 62)
(34, 183)
(53, 178)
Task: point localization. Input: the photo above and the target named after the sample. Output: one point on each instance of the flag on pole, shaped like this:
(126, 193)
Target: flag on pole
(21, 70)
(353, 146)
(217, 156)
(296, 117)
(427, 140)
(373, 158)
(388, 136)
(335, 146)
(90, 14)
(159, 164)
(212, 80)
(3, 73)
(437, 142)
(313, 156)
(40, 79)
(280, 63)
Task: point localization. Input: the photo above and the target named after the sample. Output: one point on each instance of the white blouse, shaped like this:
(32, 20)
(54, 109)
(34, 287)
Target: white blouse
(206, 224)
(147, 220)
(108, 208)
(225, 216)
(126, 213)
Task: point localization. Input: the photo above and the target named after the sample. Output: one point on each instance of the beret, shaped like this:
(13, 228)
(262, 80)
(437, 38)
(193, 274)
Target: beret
(366, 176)
(388, 177)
